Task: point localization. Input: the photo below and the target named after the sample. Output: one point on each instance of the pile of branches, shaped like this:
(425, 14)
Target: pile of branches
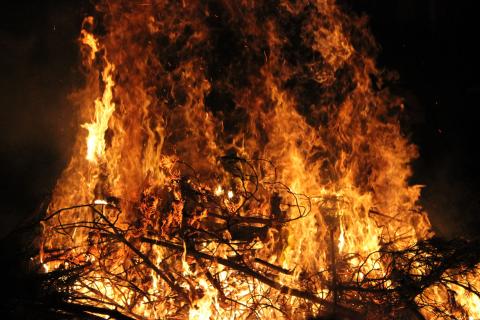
(403, 291)
(209, 233)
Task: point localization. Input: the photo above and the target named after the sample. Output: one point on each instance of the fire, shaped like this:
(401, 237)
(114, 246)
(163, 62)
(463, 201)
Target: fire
(104, 107)
(239, 159)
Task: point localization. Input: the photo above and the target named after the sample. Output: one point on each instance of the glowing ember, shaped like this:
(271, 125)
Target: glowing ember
(99, 201)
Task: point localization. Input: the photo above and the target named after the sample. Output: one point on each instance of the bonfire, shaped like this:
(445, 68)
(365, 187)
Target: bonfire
(241, 160)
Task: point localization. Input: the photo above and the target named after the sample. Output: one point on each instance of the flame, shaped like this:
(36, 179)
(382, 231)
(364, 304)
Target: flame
(104, 109)
(218, 191)
(202, 310)
(293, 89)
(100, 201)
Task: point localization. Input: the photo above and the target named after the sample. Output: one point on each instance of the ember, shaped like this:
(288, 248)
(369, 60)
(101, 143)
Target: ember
(243, 160)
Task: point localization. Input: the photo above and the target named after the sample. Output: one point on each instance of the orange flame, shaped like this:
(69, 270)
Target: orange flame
(289, 87)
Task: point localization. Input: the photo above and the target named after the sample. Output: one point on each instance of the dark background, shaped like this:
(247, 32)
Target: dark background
(431, 44)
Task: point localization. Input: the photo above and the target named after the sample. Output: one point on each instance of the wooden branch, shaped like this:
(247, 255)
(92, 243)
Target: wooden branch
(147, 261)
(83, 308)
(342, 310)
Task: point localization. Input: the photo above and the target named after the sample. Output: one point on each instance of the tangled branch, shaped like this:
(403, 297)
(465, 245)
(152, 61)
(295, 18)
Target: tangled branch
(185, 231)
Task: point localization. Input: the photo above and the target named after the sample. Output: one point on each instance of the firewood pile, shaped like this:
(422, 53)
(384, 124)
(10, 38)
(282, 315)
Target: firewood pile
(184, 234)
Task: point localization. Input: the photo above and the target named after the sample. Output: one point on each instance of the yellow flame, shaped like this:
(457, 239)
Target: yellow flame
(202, 308)
(104, 109)
(218, 190)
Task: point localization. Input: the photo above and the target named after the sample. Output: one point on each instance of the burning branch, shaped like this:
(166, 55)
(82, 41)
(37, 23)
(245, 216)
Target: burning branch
(212, 238)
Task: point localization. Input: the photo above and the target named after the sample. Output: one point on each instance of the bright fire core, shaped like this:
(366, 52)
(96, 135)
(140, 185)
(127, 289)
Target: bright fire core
(237, 160)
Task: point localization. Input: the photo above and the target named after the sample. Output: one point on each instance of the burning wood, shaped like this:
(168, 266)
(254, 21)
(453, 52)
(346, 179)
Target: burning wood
(170, 210)
(210, 246)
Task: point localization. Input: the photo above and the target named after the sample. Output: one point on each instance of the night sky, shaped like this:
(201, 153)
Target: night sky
(431, 44)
